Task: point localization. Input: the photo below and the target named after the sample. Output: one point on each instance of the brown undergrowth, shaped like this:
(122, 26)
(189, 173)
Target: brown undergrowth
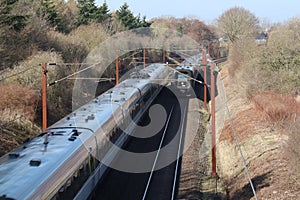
(15, 97)
(268, 133)
(17, 113)
(275, 107)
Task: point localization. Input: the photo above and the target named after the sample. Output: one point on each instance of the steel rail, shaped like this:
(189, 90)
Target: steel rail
(178, 155)
(158, 151)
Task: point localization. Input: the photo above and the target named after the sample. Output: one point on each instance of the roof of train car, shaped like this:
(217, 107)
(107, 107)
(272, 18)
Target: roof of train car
(185, 67)
(87, 117)
(12, 177)
(192, 60)
(105, 105)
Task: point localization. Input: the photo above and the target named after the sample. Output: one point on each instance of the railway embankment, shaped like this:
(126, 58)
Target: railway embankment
(262, 127)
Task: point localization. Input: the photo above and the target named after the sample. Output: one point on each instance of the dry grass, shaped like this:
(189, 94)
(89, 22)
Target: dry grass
(17, 113)
(245, 123)
(276, 108)
(292, 148)
(269, 135)
(28, 72)
(75, 46)
(18, 98)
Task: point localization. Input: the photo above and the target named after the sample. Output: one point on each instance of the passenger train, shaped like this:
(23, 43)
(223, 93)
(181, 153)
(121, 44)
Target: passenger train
(188, 72)
(184, 77)
(61, 163)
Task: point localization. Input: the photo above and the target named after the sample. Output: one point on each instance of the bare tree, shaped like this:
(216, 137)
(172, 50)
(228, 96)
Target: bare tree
(238, 23)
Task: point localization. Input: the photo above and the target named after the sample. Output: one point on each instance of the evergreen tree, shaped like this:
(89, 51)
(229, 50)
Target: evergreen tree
(102, 13)
(49, 12)
(126, 16)
(144, 22)
(129, 20)
(14, 21)
(69, 12)
(87, 10)
(179, 29)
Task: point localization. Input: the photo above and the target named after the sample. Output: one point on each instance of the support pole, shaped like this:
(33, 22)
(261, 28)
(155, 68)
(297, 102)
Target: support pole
(164, 56)
(213, 120)
(208, 48)
(218, 56)
(117, 67)
(204, 66)
(144, 57)
(44, 96)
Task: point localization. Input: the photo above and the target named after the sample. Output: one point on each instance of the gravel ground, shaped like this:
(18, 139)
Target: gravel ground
(195, 180)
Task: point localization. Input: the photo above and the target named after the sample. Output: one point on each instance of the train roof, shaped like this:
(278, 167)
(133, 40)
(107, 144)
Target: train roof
(185, 67)
(38, 161)
(196, 59)
(106, 104)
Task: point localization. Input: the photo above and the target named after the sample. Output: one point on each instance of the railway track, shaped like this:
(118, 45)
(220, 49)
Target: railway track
(157, 154)
(157, 183)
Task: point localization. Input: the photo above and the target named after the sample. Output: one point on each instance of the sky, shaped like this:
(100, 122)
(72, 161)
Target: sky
(209, 10)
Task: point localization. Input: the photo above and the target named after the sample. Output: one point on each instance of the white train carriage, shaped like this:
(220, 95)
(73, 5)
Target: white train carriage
(185, 76)
(63, 162)
(188, 72)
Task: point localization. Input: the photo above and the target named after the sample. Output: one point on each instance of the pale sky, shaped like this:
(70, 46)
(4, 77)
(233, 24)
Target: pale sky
(209, 10)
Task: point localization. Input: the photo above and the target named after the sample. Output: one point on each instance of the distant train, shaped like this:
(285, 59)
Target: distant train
(188, 72)
(185, 76)
(61, 163)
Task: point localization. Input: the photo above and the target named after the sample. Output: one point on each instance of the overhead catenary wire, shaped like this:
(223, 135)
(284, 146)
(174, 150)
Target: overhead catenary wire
(16, 74)
(80, 71)
(98, 80)
(186, 50)
(191, 78)
(71, 64)
(131, 55)
(95, 64)
(73, 74)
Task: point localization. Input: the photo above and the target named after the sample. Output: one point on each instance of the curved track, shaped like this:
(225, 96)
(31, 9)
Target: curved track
(157, 184)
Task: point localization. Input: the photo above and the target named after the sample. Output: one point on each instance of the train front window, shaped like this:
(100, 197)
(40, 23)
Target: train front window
(182, 77)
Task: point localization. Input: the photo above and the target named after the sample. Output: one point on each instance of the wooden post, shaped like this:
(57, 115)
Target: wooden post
(144, 57)
(213, 120)
(204, 63)
(117, 67)
(44, 96)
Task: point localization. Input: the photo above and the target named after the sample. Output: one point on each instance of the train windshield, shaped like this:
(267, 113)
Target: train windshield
(182, 77)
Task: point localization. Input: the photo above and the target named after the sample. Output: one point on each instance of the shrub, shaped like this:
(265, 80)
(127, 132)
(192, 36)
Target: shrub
(18, 106)
(276, 107)
(274, 67)
(75, 46)
(292, 148)
(28, 73)
(19, 100)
